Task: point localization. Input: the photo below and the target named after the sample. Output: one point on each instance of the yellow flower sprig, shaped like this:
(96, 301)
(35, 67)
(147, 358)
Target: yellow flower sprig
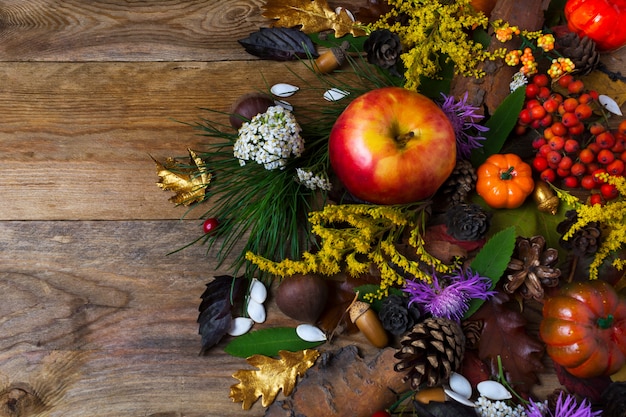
(355, 236)
(612, 218)
(433, 28)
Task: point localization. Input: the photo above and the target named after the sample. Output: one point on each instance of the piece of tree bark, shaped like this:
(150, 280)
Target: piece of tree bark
(344, 384)
(491, 89)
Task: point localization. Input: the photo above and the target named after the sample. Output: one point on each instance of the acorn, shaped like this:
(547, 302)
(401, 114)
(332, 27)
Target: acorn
(369, 324)
(248, 106)
(302, 297)
(331, 59)
(545, 198)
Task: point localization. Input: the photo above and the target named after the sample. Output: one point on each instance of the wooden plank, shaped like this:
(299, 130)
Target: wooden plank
(121, 30)
(76, 137)
(97, 320)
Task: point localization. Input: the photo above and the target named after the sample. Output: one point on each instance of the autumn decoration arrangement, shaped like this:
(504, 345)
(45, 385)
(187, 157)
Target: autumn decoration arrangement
(461, 178)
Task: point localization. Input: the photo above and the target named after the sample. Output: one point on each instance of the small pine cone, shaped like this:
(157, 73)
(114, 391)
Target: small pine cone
(430, 352)
(584, 241)
(460, 183)
(614, 398)
(467, 222)
(472, 330)
(582, 52)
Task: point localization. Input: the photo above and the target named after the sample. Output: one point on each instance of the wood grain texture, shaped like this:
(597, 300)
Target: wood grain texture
(77, 137)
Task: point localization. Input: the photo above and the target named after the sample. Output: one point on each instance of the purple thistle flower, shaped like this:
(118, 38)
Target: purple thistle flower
(466, 124)
(450, 295)
(566, 406)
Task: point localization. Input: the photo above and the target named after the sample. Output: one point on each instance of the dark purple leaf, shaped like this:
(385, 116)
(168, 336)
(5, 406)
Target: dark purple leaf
(215, 316)
(279, 44)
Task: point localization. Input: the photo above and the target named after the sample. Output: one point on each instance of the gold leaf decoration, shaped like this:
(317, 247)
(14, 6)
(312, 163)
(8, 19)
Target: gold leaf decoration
(312, 15)
(599, 81)
(189, 183)
(272, 376)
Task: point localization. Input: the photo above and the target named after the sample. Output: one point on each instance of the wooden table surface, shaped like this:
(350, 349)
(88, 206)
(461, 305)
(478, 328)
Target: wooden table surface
(95, 318)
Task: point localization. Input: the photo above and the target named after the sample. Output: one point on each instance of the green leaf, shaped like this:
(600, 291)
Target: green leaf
(500, 125)
(432, 88)
(492, 260)
(268, 342)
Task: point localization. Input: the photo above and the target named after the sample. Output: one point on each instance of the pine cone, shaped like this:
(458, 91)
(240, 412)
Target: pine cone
(584, 241)
(467, 222)
(614, 398)
(472, 330)
(532, 267)
(383, 48)
(582, 51)
(430, 352)
(460, 183)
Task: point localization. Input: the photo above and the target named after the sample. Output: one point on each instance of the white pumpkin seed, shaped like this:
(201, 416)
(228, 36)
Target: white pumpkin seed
(335, 94)
(240, 325)
(284, 104)
(258, 292)
(493, 390)
(256, 311)
(348, 12)
(453, 395)
(459, 384)
(609, 104)
(284, 90)
(310, 333)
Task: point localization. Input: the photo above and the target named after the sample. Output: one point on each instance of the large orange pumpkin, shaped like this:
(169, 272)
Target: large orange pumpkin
(600, 20)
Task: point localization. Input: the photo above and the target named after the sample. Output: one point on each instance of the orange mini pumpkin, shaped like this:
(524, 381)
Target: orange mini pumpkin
(504, 181)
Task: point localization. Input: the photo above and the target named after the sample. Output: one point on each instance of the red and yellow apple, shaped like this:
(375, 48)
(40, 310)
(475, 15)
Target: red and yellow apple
(392, 146)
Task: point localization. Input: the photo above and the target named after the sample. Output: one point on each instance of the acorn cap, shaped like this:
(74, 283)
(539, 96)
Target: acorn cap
(357, 310)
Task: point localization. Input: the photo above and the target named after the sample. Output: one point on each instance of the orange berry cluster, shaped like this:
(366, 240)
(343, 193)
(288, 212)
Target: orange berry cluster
(575, 142)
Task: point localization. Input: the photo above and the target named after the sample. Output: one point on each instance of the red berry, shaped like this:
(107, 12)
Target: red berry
(554, 157)
(541, 80)
(548, 175)
(571, 146)
(381, 413)
(608, 191)
(576, 129)
(556, 143)
(570, 181)
(605, 157)
(596, 199)
(595, 173)
(551, 105)
(525, 117)
(544, 93)
(569, 119)
(538, 142)
(605, 140)
(596, 128)
(558, 128)
(565, 80)
(532, 103)
(576, 87)
(520, 129)
(586, 156)
(622, 127)
(566, 162)
(545, 149)
(532, 90)
(620, 144)
(210, 225)
(570, 104)
(587, 182)
(578, 169)
(540, 163)
(562, 172)
(615, 168)
(583, 111)
(594, 94)
(546, 121)
(585, 98)
(622, 156)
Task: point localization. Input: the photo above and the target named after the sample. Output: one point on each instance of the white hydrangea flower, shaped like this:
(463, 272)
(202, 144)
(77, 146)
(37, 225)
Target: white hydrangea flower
(519, 80)
(269, 139)
(311, 181)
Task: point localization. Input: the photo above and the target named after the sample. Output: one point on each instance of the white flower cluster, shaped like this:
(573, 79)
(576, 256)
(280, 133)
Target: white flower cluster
(489, 408)
(311, 181)
(269, 139)
(519, 80)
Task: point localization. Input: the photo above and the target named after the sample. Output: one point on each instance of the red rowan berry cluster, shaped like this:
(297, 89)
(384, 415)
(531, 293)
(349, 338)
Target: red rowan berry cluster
(574, 141)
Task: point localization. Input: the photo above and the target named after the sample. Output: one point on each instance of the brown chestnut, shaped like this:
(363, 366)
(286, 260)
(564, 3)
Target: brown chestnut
(369, 324)
(248, 106)
(302, 297)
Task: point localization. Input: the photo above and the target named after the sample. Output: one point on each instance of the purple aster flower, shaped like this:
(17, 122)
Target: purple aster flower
(566, 406)
(466, 124)
(450, 295)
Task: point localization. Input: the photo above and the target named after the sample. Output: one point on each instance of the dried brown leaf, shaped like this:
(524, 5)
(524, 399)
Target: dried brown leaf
(188, 183)
(272, 376)
(504, 335)
(312, 15)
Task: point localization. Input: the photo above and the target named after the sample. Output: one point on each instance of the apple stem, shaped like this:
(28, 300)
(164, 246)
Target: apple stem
(404, 138)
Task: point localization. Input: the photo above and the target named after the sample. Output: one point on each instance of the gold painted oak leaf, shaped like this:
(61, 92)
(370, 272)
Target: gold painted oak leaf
(312, 15)
(272, 376)
(188, 182)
